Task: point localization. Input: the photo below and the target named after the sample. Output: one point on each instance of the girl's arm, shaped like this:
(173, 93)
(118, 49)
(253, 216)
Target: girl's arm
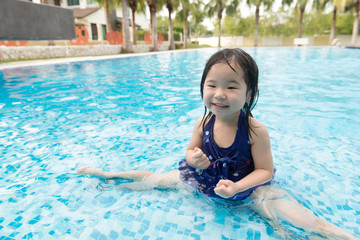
(194, 155)
(262, 157)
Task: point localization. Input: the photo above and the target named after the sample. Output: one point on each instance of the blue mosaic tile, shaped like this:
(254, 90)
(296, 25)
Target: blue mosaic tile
(236, 226)
(113, 235)
(34, 220)
(165, 228)
(14, 234)
(187, 232)
(224, 238)
(199, 227)
(347, 207)
(102, 237)
(6, 238)
(257, 235)
(12, 200)
(29, 235)
(195, 236)
(14, 225)
(270, 231)
(250, 233)
(95, 234)
(125, 232)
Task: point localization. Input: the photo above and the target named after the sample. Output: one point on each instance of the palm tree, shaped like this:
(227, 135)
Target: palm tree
(171, 5)
(337, 5)
(183, 15)
(299, 4)
(134, 4)
(355, 31)
(108, 5)
(257, 3)
(152, 6)
(217, 7)
(189, 9)
(127, 46)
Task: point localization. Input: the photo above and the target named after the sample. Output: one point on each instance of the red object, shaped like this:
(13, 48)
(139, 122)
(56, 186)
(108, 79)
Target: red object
(82, 36)
(114, 37)
(148, 38)
(13, 43)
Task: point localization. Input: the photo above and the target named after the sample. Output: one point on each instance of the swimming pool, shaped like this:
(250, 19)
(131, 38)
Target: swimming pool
(138, 113)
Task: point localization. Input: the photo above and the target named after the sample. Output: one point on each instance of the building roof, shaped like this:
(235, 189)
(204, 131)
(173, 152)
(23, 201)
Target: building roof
(83, 12)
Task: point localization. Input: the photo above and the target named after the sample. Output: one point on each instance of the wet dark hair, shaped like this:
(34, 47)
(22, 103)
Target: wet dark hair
(251, 74)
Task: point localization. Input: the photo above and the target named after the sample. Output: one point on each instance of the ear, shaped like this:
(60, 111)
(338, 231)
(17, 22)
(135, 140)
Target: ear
(248, 96)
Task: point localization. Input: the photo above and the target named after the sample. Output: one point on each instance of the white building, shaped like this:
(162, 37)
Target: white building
(89, 14)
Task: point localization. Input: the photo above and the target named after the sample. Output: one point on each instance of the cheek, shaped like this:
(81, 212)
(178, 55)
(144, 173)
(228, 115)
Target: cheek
(207, 97)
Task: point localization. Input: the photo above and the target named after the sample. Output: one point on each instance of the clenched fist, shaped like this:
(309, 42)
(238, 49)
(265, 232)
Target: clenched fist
(197, 159)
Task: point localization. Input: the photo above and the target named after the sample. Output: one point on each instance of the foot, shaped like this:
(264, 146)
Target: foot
(90, 171)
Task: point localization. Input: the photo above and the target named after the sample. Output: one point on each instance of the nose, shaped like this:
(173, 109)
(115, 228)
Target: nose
(220, 94)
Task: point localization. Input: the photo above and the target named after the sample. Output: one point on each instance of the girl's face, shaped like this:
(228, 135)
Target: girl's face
(225, 91)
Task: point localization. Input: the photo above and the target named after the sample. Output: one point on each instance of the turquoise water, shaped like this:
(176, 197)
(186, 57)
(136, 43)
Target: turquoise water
(138, 113)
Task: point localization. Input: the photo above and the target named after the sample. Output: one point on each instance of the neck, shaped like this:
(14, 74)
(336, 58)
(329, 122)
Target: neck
(229, 120)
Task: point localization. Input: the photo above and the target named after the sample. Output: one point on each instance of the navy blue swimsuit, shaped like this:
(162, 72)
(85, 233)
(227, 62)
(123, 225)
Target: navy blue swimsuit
(233, 163)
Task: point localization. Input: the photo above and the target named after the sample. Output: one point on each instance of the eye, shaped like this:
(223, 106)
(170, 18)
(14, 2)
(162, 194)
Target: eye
(211, 86)
(232, 88)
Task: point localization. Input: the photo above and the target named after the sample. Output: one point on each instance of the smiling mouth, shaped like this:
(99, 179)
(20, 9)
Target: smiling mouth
(219, 106)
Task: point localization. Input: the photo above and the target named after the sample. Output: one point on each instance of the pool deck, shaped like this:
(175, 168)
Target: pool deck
(353, 46)
(41, 62)
(31, 63)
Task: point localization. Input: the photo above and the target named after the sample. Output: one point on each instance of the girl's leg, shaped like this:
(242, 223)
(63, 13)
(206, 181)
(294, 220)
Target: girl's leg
(273, 204)
(137, 175)
(142, 180)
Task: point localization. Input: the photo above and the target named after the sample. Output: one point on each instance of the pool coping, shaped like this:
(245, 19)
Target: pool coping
(41, 62)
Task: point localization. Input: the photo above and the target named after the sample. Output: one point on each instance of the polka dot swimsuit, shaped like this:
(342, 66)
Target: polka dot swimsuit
(233, 163)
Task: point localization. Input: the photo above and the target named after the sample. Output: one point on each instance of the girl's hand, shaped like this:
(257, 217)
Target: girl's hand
(225, 188)
(198, 159)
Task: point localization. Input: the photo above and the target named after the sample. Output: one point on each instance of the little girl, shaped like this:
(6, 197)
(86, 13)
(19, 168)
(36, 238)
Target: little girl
(229, 153)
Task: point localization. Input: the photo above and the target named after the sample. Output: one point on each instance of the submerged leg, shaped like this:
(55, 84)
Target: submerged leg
(142, 180)
(273, 204)
(136, 175)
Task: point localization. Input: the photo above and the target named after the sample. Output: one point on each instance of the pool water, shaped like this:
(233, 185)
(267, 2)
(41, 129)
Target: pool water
(138, 113)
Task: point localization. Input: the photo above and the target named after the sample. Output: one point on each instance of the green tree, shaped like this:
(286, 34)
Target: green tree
(135, 5)
(277, 24)
(317, 23)
(171, 5)
(336, 5)
(301, 4)
(257, 3)
(197, 16)
(217, 7)
(187, 9)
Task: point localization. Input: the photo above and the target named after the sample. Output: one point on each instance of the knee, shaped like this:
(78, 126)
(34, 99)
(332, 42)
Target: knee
(264, 193)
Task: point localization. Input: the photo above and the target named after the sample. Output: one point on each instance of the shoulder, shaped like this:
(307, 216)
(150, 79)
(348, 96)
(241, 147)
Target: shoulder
(198, 126)
(258, 131)
(202, 121)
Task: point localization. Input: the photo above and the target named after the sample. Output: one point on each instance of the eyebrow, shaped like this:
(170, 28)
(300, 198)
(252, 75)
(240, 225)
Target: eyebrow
(229, 81)
(233, 81)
